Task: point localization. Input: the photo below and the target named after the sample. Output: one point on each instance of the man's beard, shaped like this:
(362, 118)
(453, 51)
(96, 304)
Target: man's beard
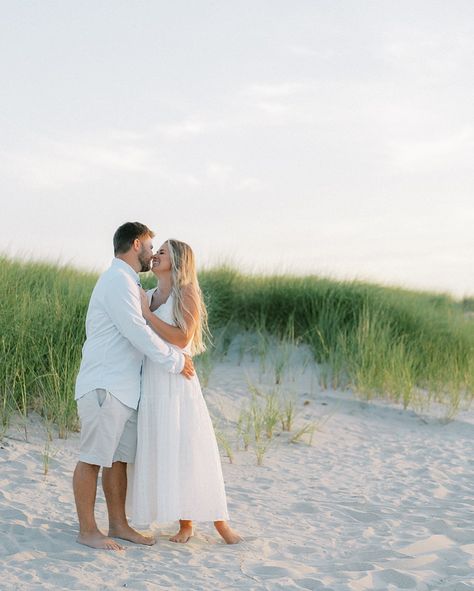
(143, 261)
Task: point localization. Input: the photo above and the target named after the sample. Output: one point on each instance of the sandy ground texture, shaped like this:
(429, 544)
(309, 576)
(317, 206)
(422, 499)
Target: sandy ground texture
(383, 499)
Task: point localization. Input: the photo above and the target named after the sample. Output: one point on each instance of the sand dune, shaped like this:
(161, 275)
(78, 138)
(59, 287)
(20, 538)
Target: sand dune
(382, 500)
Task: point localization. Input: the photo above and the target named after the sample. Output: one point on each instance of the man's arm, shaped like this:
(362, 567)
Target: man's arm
(122, 301)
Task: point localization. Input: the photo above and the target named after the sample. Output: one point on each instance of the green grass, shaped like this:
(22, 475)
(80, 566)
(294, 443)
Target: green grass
(411, 347)
(468, 304)
(42, 327)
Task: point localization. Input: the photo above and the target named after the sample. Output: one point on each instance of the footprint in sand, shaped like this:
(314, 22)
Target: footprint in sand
(363, 516)
(303, 507)
(263, 483)
(12, 514)
(383, 579)
(398, 579)
(311, 584)
(358, 567)
(429, 545)
(271, 572)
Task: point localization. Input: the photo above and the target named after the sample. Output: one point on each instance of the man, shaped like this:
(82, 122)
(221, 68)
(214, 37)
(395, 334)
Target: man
(108, 386)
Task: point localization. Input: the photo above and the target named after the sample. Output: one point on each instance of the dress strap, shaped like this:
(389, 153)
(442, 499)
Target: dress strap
(149, 294)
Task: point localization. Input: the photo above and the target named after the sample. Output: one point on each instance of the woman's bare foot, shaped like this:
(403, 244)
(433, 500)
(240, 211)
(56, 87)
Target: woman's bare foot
(125, 532)
(230, 536)
(98, 540)
(185, 532)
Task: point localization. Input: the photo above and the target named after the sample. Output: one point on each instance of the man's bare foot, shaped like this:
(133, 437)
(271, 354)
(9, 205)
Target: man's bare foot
(185, 532)
(125, 532)
(99, 541)
(230, 536)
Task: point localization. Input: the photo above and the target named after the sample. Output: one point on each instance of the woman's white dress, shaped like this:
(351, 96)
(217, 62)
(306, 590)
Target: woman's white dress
(177, 472)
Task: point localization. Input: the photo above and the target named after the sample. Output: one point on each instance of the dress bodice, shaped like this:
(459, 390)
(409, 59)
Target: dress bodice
(165, 313)
(165, 310)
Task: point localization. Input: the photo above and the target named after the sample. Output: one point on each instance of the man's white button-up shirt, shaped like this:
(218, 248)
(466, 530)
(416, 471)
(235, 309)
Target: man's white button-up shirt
(118, 338)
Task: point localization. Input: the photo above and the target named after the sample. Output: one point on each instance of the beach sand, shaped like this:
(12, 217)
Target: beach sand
(383, 499)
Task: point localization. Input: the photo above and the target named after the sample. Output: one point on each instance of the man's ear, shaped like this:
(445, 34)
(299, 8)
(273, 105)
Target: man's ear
(136, 245)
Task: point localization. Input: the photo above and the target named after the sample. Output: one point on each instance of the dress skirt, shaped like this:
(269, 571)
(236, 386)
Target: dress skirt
(177, 472)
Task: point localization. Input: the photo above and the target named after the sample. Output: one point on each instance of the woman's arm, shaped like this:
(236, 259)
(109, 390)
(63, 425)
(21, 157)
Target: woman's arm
(173, 334)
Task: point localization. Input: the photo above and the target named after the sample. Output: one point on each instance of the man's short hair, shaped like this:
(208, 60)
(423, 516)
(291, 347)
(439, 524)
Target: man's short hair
(127, 233)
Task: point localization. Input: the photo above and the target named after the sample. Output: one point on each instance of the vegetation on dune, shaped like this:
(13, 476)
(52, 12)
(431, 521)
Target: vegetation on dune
(468, 305)
(42, 327)
(408, 346)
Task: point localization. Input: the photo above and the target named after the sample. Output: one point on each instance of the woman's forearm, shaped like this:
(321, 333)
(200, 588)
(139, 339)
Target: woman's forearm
(172, 334)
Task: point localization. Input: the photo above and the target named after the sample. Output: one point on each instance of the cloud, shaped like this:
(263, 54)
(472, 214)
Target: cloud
(278, 90)
(40, 170)
(218, 172)
(56, 164)
(423, 155)
(250, 184)
(307, 52)
(183, 129)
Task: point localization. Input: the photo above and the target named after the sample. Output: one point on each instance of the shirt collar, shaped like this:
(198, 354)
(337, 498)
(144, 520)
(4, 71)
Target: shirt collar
(118, 263)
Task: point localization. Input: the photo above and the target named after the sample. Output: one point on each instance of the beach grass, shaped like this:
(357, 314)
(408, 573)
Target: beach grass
(42, 327)
(407, 346)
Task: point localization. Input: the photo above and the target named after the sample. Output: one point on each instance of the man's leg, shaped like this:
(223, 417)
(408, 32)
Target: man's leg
(114, 483)
(85, 488)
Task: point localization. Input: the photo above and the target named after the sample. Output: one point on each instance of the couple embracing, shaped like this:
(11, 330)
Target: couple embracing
(143, 417)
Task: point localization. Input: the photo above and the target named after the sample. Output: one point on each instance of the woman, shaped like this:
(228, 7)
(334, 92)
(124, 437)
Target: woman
(177, 473)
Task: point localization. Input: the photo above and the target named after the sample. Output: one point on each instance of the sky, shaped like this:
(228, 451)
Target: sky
(283, 136)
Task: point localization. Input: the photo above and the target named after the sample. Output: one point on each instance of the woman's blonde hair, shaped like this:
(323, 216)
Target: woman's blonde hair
(183, 273)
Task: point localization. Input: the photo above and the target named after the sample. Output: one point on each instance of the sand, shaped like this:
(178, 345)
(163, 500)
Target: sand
(383, 499)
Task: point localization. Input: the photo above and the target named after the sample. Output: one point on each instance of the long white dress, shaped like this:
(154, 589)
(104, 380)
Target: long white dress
(177, 472)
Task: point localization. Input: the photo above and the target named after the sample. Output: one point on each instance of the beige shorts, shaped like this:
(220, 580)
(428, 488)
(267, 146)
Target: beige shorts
(108, 429)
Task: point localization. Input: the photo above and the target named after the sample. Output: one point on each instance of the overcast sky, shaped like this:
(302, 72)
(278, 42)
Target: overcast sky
(333, 137)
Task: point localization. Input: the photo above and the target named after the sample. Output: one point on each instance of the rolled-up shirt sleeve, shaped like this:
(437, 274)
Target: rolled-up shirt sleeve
(122, 301)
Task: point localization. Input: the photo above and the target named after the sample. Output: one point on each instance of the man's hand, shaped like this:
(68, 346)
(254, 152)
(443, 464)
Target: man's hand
(144, 303)
(188, 369)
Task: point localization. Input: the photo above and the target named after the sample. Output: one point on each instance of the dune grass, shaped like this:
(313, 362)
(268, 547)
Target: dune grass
(411, 347)
(42, 327)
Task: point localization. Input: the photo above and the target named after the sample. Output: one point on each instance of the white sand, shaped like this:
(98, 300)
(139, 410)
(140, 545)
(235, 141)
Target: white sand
(383, 499)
